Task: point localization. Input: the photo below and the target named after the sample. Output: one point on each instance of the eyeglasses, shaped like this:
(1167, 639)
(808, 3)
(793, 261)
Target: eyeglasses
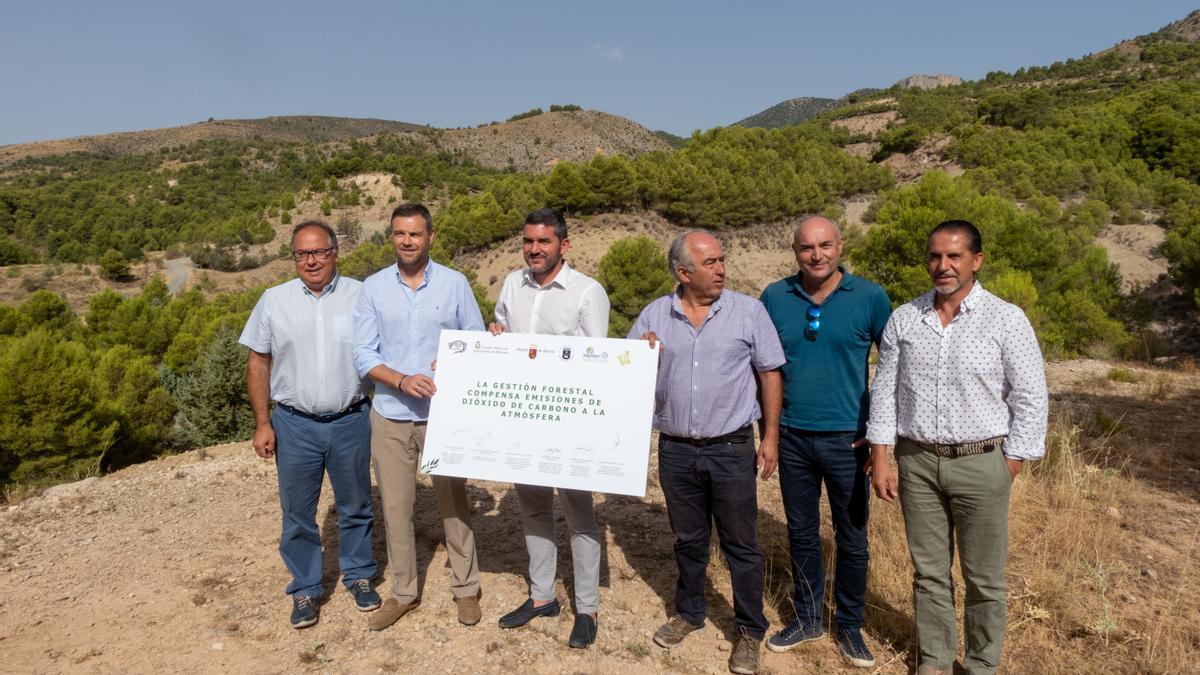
(318, 253)
(814, 320)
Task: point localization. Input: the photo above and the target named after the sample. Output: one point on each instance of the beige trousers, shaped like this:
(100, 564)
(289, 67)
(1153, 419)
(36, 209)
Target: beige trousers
(395, 453)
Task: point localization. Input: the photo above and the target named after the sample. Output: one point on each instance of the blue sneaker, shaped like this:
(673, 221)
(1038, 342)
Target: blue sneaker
(854, 650)
(304, 611)
(793, 635)
(365, 597)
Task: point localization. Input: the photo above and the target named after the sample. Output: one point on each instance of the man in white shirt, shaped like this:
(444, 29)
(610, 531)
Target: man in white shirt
(550, 298)
(301, 357)
(960, 392)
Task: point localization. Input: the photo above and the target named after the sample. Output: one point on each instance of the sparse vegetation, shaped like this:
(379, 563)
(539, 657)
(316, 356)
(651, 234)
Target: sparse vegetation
(526, 115)
(1122, 374)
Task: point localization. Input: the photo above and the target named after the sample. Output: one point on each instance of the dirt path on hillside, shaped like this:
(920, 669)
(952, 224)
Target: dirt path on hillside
(178, 271)
(172, 566)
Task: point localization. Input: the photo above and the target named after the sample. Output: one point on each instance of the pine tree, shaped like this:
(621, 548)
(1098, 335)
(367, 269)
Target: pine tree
(213, 406)
(633, 272)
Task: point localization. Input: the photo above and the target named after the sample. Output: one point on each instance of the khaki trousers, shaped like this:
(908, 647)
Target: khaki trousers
(963, 501)
(395, 453)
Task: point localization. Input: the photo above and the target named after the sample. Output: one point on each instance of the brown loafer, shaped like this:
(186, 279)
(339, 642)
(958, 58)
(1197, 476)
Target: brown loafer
(390, 613)
(469, 613)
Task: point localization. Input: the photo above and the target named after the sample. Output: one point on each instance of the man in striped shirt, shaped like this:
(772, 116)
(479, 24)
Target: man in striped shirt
(960, 392)
(715, 344)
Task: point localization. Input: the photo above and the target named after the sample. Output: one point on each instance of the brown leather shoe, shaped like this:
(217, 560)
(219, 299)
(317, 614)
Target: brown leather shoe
(390, 613)
(469, 613)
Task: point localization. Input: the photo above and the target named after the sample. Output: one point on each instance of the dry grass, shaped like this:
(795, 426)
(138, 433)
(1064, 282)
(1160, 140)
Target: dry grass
(1079, 597)
(1160, 387)
(1122, 374)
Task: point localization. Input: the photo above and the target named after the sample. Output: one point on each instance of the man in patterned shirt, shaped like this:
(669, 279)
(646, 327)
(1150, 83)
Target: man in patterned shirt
(961, 393)
(715, 343)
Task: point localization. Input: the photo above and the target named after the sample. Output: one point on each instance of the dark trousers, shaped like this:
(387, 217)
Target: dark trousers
(806, 459)
(706, 484)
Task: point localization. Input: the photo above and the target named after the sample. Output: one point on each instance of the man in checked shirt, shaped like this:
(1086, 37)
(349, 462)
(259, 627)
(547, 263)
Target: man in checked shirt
(714, 344)
(960, 392)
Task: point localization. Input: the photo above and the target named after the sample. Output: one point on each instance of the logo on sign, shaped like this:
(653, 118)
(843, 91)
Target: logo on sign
(458, 347)
(624, 359)
(533, 351)
(566, 353)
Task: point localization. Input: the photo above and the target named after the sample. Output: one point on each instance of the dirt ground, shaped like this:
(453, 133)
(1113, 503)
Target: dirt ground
(172, 566)
(1135, 250)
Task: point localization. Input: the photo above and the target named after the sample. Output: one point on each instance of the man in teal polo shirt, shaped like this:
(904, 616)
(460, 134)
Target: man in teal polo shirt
(827, 320)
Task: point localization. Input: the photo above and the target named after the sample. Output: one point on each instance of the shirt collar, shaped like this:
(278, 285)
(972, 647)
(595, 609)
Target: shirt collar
(974, 297)
(562, 279)
(424, 281)
(677, 303)
(329, 288)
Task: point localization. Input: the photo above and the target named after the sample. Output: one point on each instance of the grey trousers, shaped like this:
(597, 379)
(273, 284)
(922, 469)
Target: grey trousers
(961, 500)
(537, 517)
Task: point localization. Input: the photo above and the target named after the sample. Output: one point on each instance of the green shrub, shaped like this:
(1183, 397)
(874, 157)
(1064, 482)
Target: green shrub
(633, 272)
(113, 265)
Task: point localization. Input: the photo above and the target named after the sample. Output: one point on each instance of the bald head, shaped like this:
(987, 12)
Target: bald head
(818, 248)
(810, 222)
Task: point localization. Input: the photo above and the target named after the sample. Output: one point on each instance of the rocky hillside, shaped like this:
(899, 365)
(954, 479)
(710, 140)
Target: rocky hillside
(535, 144)
(529, 145)
(1187, 28)
(920, 81)
(312, 128)
(789, 112)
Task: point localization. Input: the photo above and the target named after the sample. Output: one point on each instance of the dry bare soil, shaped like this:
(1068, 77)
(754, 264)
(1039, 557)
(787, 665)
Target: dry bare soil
(172, 566)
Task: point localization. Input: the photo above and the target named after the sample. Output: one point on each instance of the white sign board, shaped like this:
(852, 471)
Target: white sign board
(559, 411)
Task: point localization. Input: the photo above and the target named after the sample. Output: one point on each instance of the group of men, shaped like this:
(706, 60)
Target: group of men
(959, 393)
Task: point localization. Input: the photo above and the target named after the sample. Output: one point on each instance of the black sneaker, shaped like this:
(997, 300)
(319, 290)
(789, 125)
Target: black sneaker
(793, 635)
(365, 597)
(304, 611)
(854, 650)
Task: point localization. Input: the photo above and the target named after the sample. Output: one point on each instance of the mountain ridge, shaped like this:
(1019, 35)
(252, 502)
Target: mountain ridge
(532, 144)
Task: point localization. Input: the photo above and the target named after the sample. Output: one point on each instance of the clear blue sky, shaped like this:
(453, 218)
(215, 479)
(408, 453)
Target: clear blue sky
(75, 68)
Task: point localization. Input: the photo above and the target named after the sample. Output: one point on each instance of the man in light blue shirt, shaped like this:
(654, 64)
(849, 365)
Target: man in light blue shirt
(401, 312)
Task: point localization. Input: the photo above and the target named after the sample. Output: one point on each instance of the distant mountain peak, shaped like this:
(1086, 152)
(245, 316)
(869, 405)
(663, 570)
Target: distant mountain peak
(1187, 28)
(922, 81)
(789, 112)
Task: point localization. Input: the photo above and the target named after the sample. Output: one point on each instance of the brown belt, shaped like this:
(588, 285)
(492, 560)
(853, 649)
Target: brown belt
(961, 449)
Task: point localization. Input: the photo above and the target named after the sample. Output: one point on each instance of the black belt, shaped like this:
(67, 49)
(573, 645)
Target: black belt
(740, 436)
(352, 408)
(961, 449)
